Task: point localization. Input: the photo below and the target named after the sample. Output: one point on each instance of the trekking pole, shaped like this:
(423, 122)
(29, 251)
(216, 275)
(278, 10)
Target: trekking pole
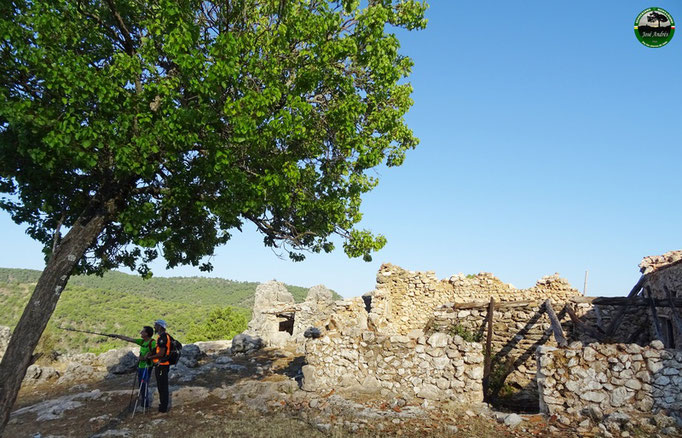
(137, 399)
(145, 399)
(142, 393)
(132, 393)
(88, 332)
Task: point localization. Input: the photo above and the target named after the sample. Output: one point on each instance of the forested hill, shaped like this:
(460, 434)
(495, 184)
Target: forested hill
(122, 303)
(195, 290)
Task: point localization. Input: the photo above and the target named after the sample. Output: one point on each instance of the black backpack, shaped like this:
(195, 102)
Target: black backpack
(175, 348)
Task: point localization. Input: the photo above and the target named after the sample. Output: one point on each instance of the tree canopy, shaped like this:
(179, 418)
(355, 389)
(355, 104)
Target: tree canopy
(184, 119)
(159, 127)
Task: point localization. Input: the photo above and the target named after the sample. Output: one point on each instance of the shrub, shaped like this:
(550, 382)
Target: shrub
(222, 323)
(456, 329)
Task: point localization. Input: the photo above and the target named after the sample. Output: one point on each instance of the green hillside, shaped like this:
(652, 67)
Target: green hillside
(123, 303)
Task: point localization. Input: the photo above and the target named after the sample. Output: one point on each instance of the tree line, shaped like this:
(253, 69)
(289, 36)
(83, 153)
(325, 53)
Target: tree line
(196, 308)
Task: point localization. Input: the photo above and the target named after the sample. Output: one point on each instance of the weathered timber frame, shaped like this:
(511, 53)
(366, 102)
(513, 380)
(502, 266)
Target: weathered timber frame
(488, 357)
(556, 325)
(654, 314)
(671, 302)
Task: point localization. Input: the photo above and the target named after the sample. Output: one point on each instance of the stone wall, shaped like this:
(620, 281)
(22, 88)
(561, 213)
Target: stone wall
(404, 300)
(589, 382)
(635, 326)
(437, 368)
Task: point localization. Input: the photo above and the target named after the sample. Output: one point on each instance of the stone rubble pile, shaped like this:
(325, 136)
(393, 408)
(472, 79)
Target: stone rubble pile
(652, 263)
(405, 300)
(73, 368)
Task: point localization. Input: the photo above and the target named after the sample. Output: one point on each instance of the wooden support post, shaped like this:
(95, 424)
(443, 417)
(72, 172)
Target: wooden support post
(615, 322)
(673, 310)
(488, 357)
(654, 315)
(556, 325)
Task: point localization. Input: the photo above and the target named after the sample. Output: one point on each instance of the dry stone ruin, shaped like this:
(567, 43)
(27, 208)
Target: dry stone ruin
(597, 364)
(472, 338)
(278, 320)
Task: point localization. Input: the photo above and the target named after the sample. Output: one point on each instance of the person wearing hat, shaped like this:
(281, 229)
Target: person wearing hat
(160, 359)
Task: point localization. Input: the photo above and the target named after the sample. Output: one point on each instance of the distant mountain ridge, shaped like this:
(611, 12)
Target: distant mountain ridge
(122, 303)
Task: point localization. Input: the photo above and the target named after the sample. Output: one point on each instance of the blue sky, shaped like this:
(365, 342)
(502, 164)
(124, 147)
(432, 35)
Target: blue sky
(551, 141)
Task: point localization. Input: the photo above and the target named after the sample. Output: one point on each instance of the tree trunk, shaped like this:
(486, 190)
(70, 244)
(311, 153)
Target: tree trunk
(42, 303)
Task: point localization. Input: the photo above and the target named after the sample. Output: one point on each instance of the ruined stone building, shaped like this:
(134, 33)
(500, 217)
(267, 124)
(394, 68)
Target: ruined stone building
(470, 338)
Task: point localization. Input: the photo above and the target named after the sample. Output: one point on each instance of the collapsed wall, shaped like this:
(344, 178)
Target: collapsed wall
(408, 302)
(589, 382)
(404, 300)
(277, 319)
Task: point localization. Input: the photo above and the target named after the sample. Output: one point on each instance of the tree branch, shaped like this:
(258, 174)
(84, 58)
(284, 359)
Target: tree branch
(122, 27)
(87, 14)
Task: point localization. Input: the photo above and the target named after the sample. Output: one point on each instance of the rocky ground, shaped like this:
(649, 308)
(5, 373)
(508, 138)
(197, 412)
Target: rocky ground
(217, 395)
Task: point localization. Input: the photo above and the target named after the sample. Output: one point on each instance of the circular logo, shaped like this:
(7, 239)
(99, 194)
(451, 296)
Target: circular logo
(654, 27)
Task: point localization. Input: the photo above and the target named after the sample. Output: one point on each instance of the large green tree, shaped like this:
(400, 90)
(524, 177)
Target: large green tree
(131, 129)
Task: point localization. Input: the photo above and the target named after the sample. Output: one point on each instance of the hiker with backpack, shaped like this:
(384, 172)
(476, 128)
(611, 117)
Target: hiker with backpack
(167, 353)
(144, 367)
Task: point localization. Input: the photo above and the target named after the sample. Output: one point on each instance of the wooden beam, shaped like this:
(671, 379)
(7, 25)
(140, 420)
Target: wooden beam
(499, 305)
(673, 310)
(594, 332)
(654, 315)
(625, 301)
(556, 325)
(288, 310)
(488, 358)
(618, 318)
